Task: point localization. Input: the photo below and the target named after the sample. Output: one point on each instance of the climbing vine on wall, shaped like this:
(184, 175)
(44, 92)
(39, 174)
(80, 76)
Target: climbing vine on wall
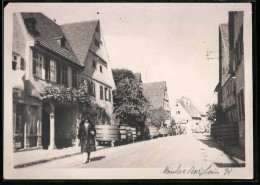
(81, 99)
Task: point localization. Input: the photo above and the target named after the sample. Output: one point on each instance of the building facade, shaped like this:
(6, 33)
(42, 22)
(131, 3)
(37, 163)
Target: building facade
(187, 115)
(88, 43)
(230, 88)
(236, 69)
(45, 55)
(157, 95)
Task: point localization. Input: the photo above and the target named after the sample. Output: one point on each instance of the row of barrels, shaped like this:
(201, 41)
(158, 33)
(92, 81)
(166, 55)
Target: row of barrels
(115, 133)
(125, 133)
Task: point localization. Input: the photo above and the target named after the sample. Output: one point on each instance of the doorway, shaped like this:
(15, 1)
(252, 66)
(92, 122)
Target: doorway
(19, 127)
(45, 129)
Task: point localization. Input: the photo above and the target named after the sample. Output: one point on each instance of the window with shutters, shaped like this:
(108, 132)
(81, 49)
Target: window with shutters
(109, 95)
(106, 93)
(37, 64)
(58, 69)
(22, 65)
(14, 61)
(94, 64)
(74, 78)
(64, 75)
(47, 69)
(101, 92)
(53, 68)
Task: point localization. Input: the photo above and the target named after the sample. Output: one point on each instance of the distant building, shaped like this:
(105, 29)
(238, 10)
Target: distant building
(157, 95)
(187, 115)
(230, 88)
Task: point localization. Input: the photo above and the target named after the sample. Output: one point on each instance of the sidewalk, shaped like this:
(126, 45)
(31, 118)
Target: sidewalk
(237, 153)
(28, 158)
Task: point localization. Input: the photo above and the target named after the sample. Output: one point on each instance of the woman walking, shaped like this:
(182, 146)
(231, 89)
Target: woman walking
(86, 135)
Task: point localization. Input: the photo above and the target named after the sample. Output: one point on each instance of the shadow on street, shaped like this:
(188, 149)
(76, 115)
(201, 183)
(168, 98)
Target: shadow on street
(226, 165)
(97, 158)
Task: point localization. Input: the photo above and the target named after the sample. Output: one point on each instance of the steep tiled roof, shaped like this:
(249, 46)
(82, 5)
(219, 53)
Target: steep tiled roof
(224, 35)
(190, 108)
(46, 32)
(154, 93)
(80, 36)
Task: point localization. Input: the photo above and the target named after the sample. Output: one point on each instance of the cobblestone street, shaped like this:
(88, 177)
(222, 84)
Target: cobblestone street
(184, 150)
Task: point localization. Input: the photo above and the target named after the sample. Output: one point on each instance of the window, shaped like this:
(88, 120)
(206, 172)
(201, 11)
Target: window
(74, 78)
(242, 103)
(62, 42)
(94, 64)
(91, 88)
(53, 68)
(14, 62)
(101, 92)
(176, 104)
(106, 93)
(64, 75)
(47, 69)
(22, 66)
(101, 69)
(58, 80)
(109, 95)
(33, 120)
(97, 42)
(37, 64)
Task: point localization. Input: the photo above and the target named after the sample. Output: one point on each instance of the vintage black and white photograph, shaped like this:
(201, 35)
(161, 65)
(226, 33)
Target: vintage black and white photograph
(128, 91)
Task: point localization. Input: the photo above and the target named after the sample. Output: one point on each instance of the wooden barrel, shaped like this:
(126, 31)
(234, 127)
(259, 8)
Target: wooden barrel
(129, 135)
(153, 131)
(107, 133)
(163, 131)
(123, 132)
(133, 130)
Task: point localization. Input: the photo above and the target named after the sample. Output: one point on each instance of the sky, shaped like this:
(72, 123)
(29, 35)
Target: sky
(162, 41)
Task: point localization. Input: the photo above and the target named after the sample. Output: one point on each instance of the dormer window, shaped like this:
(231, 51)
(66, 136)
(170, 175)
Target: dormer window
(61, 41)
(97, 43)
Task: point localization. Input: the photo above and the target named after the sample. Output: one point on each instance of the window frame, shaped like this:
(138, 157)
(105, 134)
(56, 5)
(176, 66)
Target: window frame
(101, 92)
(74, 74)
(54, 68)
(37, 64)
(64, 75)
(15, 61)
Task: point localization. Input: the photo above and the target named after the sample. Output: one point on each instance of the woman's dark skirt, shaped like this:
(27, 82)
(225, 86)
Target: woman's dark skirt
(88, 148)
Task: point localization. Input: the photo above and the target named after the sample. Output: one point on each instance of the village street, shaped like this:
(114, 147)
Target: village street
(197, 150)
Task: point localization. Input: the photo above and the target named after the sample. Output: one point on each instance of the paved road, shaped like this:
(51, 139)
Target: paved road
(157, 153)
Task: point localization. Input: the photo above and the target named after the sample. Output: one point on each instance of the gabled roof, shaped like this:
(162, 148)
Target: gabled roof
(46, 33)
(80, 36)
(189, 108)
(154, 93)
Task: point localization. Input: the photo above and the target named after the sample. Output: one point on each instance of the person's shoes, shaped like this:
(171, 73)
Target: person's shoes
(87, 161)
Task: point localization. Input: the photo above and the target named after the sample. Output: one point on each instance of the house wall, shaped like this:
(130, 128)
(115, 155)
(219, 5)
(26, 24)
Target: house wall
(224, 59)
(236, 30)
(183, 116)
(94, 74)
(23, 45)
